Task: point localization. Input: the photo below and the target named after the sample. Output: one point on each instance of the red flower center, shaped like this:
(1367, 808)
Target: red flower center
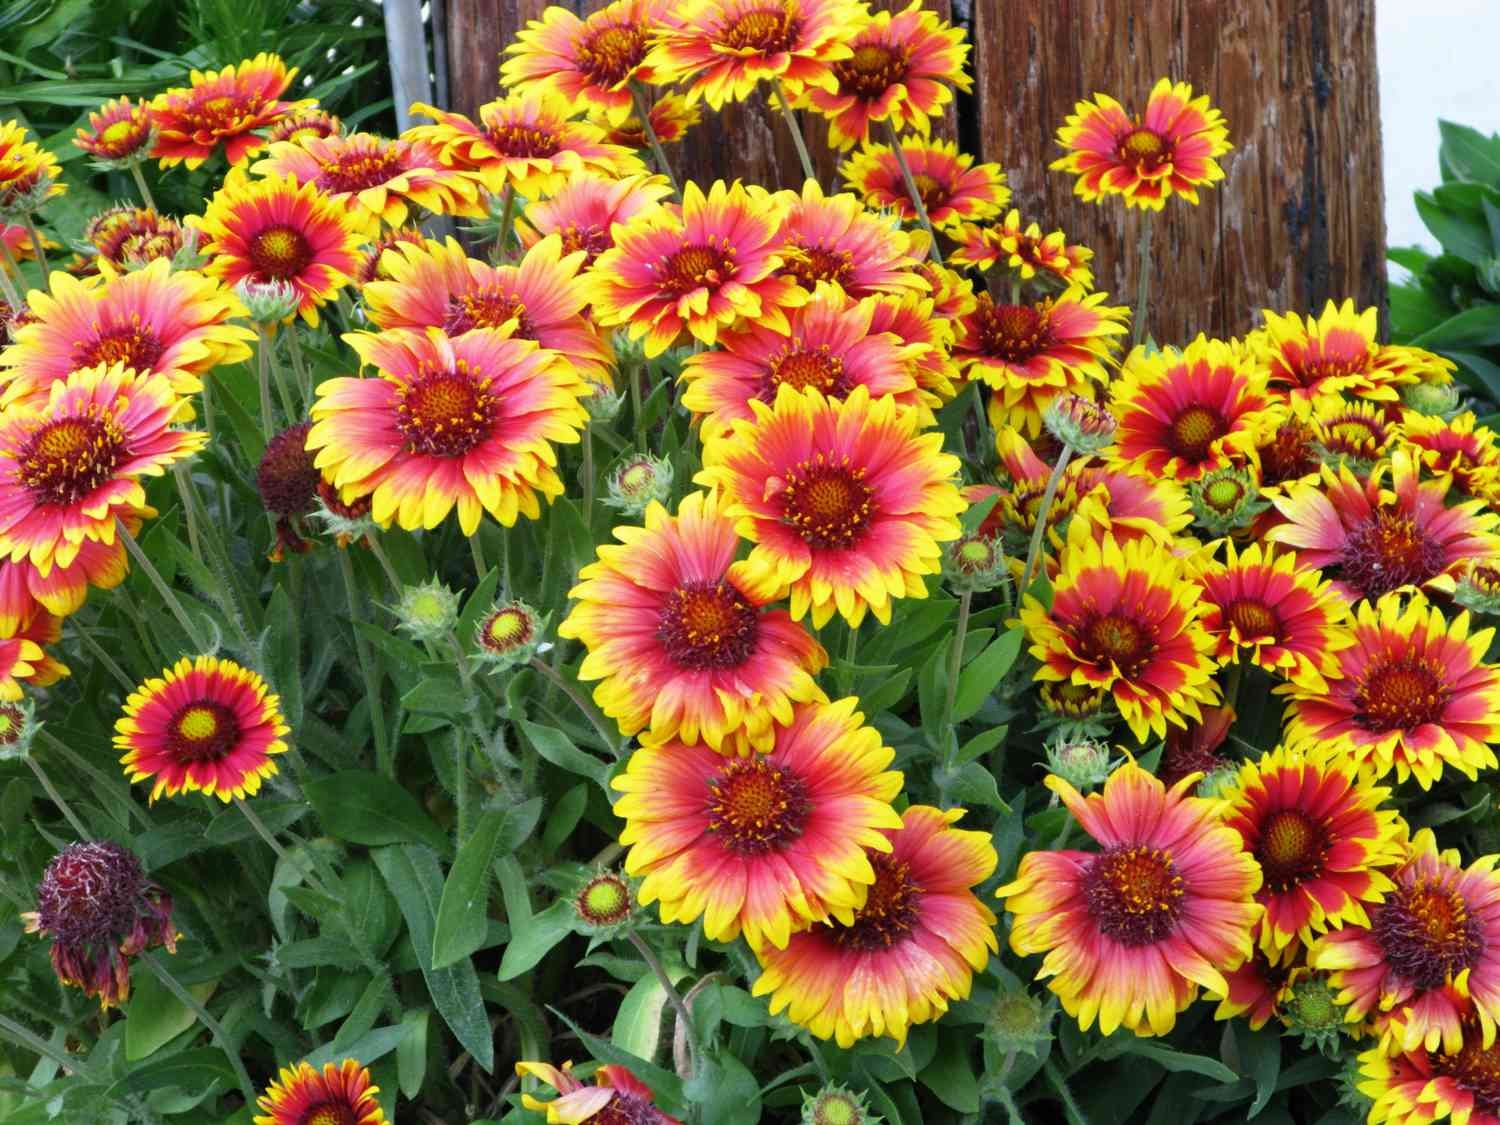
(764, 30)
(1134, 894)
(890, 910)
(1474, 1069)
(506, 630)
(607, 55)
(872, 70)
(280, 253)
(696, 267)
(592, 240)
(1353, 437)
(359, 169)
(1113, 638)
(934, 192)
(446, 413)
(1011, 332)
(1426, 932)
(707, 625)
(203, 731)
(1400, 693)
(1389, 550)
(1254, 619)
(218, 113)
(1291, 850)
(812, 264)
(487, 307)
(801, 368)
(1194, 431)
(133, 345)
(829, 506)
(1319, 364)
(329, 1113)
(1289, 455)
(67, 459)
(1143, 149)
(755, 806)
(515, 140)
(627, 1109)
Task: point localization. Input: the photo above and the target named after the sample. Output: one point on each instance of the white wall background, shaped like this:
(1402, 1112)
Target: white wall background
(1437, 60)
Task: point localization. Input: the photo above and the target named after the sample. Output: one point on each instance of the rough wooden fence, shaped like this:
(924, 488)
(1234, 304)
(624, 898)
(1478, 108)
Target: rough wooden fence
(1300, 218)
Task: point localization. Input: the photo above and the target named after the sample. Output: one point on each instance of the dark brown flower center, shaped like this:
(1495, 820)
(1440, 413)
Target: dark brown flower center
(1289, 455)
(1194, 431)
(134, 344)
(708, 625)
(445, 413)
(1254, 619)
(511, 139)
(607, 55)
(889, 912)
(763, 30)
(592, 240)
(812, 264)
(67, 459)
(627, 1109)
(362, 168)
(487, 307)
(1011, 332)
(828, 505)
(934, 192)
(801, 368)
(1389, 550)
(696, 267)
(872, 70)
(1292, 849)
(1134, 894)
(203, 731)
(756, 806)
(1400, 693)
(1474, 1069)
(280, 253)
(219, 111)
(1427, 933)
(1143, 149)
(1113, 638)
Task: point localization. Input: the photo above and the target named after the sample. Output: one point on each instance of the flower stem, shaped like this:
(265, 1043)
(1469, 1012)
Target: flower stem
(176, 607)
(384, 560)
(190, 513)
(679, 1005)
(304, 379)
(140, 183)
(216, 1029)
(795, 128)
(955, 661)
(96, 650)
(12, 294)
(39, 251)
(588, 475)
(476, 549)
(35, 1043)
(282, 854)
(383, 758)
(263, 373)
(1035, 550)
(507, 221)
(914, 194)
(57, 798)
(591, 712)
(283, 391)
(637, 410)
(1142, 281)
(99, 778)
(637, 94)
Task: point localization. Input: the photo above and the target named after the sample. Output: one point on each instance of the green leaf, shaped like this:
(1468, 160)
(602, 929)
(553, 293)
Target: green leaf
(411, 1053)
(368, 808)
(559, 749)
(442, 695)
(637, 1027)
(982, 743)
(533, 938)
(565, 817)
(1459, 234)
(416, 880)
(950, 1075)
(283, 648)
(889, 693)
(463, 914)
(1469, 154)
(192, 1070)
(727, 1091)
(367, 1048)
(1180, 1060)
(975, 785)
(155, 1017)
(1479, 373)
(1476, 327)
(664, 1084)
(1260, 1058)
(980, 678)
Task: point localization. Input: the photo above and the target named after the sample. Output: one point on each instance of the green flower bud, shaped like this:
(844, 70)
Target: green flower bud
(18, 726)
(1020, 1022)
(509, 634)
(836, 1105)
(1082, 762)
(1311, 1007)
(1479, 589)
(429, 611)
(1080, 423)
(975, 562)
(604, 901)
(1441, 399)
(637, 481)
(269, 302)
(1225, 500)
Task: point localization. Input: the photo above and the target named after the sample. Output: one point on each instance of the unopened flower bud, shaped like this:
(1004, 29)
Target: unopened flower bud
(268, 302)
(637, 481)
(17, 728)
(1080, 423)
(1220, 781)
(975, 562)
(1072, 701)
(604, 901)
(603, 402)
(1020, 1022)
(1479, 589)
(508, 635)
(24, 195)
(836, 1105)
(1441, 399)
(345, 522)
(428, 611)
(1082, 762)
(1310, 1006)
(1226, 500)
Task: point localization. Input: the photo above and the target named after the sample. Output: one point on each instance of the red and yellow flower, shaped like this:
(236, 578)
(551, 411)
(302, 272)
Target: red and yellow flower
(1321, 839)
(671, 116)
(1372, 539)
(846, 501)
(1307, 359)
(914, 320)
(70, 465)
(1413, 694)
(381, 180)
(308, 122)
(1126, 505)
(1031, 353)
(1458, 448)
(119, 130)
(131, 237)
(1429, 955)
(1257, 988)
(1184, 413)
(1422, 1086)
(763, 845)
(1131, 931)
(466, 423)
(911, 949)
(1359, 432)
(681, 642)
(29, 174)
(720, 50)
(204, 725)
(696, 268)
(830, 345)
(588, 62)
(275, 229)
(833, 238)
(155, 321)
(1125, 619)
(1170, 149)
(24, 658)
(24, 589)
(337, 1095)
(586, 209)
(616, 1096)
(953, 188)
(1025, 252)
(226, 107)
(1263, 609)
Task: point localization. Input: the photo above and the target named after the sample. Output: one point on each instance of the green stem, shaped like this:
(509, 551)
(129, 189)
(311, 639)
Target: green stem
(176, 607)
(40, 252)
(385, 564)
(637, 93)
(679, 1005)
(851, 647)
(29, 1039)
(190, 512)
(216, 1029)
(384, 760)
(1040, 530)
(11, 293)
(914, 194)
(57, 799)
(263, 377)
(507, 221)
(476, 549)
(282, 854)
(299, 365)
(140, 183)
(88, 769)
(637, 412)
(1232, 683)
(588, 475)
(795, 128)
(96, 650)
(593, 713)
(283, 390)
(1142, 281)
(1058, 1083)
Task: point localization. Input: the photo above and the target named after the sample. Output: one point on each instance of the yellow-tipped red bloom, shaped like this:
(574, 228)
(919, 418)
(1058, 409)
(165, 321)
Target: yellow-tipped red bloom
(70, 466)
(671, 116)
(336, 1095)
(24, 658)
(1419, 1087)
(1126, 620)
(1184, 413)
(589, 62)
(767, 844)
(833, 238)
(225, 107)
(845, 501)
(616, 1096)
(912, 948)
(720, 50)
(119, 130)
(62, 590)
(1428, 958)
(1131, 931)
(204, 725)
(1413, 694)
(586, 209)
(156, 321)
(1321, 839)
(1309, 359)
(680, 641)
(1459, 448)
(696, 268)
(466, 423)
(380, 179)
(275, 229)
(29, 174)
(1168, 150)
(1026, 252)
(953, 188)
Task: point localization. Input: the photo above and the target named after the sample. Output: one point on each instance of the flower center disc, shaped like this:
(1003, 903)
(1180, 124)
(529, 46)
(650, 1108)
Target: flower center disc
(1134, 894)
(1224, 495)
(626, 1109)
(1291, 850)
(1195, 430)
(696, 267)
(708, 625)
(1426, 932)
(1400, 695)
(933, 191)
(67, 459)
(761, 30)
(755, 807)
(133, 345)
(1144, 149)
(890, 910)
(829, 506)
(1112, 638)
(872, 70)
(592, 240)
(812, 264)
(1354, 437)
(1475, 1069)
(280, 253)
(1254, 619)
(521, 141)
(1289, 455)
(220, 112)
(1012, 332)
(11, 722)
(204, 731)
(801, 368)
(487, 307)
(356, 171)
(1389, 551)
(445, 413)
(329, 1113)
(506, 629)
(609, 54)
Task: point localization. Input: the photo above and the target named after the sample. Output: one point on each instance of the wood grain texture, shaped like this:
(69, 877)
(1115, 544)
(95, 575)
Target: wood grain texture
(1299, 219)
